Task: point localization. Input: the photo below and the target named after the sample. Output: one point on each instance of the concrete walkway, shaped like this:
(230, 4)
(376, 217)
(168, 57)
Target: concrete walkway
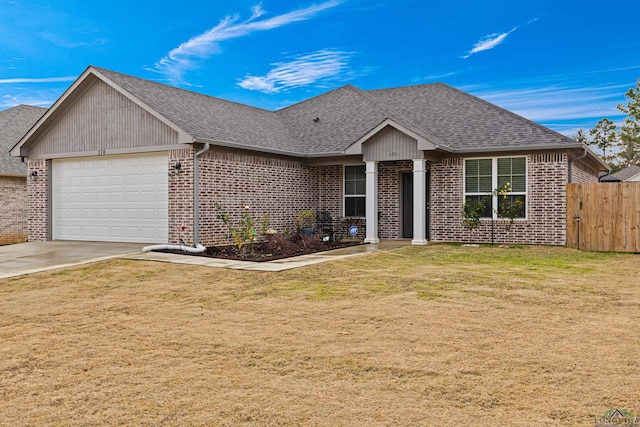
(276, 265)
(34, 257)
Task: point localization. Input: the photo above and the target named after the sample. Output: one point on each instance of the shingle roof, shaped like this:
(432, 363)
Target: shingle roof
(208, 118)
(330, 123)
(14, 123)
(627, 173)
(463, 122)
(449, 118)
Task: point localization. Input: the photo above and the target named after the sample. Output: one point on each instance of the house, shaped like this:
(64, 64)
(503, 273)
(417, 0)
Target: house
(118, 158)
(628, 174)
(14, 123)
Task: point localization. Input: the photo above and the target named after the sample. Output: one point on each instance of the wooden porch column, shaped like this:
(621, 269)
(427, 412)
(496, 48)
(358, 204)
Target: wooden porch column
(419, 202)
(371, 202)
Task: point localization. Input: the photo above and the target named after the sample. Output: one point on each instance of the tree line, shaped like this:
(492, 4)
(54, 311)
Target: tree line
(618, 146)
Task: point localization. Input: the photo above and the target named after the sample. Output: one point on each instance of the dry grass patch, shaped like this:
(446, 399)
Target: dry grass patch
(418, 336)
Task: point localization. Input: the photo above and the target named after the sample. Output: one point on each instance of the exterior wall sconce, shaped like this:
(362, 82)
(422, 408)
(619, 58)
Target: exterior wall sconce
(34, 175)
(176, 169)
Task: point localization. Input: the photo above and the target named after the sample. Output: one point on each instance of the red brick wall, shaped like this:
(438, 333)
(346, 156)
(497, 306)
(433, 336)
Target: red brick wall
(267, 185)
(546, 204)
(389, 190)
(181, 196)
(38, 200)
(13, 206)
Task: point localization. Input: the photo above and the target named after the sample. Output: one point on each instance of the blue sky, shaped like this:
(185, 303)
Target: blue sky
(564, 64)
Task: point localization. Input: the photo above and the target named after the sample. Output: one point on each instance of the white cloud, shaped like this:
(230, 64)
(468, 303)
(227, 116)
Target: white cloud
(558, 102)
(488, 42)
(185, 57)
(301, 71)
(20, 80)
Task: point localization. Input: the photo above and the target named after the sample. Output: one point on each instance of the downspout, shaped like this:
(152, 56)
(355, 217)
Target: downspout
(196, 194)
(580, 157)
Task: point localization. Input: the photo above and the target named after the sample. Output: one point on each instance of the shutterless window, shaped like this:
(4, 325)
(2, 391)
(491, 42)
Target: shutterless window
(482, 176)
(478, 184)
(513, 170)
(355, 184)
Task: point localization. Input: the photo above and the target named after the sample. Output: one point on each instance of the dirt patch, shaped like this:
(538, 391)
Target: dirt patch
(439, 335)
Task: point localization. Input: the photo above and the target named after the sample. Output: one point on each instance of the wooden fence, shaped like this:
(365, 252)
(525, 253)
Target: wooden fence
(604, 216)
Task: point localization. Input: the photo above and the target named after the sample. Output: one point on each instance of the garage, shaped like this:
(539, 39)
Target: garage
(111, 198)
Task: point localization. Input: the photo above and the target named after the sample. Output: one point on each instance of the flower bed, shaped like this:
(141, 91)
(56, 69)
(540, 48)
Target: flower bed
(273, 247)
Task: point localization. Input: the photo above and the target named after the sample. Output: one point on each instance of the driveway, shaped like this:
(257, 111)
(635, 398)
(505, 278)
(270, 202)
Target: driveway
(33, 257)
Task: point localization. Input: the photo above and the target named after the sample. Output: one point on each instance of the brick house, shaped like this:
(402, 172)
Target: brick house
(118, 158)
(14, 123)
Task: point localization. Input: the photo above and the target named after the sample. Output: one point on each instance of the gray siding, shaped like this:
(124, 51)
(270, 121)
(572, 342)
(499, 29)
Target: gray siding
(391, 144)
(103, 119)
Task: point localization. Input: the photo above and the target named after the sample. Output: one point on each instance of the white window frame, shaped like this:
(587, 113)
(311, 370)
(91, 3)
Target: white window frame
(344, 190)
(494, 185)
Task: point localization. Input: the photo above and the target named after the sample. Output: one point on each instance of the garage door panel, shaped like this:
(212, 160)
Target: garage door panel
(120, 199)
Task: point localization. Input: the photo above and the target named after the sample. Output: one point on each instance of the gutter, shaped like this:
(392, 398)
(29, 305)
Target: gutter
(196, 194)
(580, 157)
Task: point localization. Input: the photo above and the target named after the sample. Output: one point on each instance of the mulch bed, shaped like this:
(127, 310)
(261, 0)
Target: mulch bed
(269, 250)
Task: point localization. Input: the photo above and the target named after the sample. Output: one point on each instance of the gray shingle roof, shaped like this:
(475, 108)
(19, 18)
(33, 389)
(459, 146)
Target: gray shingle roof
(451, 119)
(627, 173)
(463, 122)
(208, 118)
(14, 123)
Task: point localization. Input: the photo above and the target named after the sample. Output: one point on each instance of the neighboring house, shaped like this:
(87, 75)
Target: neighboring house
(628, 174)
(14, 123)
(118, 158)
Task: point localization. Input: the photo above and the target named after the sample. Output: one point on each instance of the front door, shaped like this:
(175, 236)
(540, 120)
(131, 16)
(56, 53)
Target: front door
(407, 205)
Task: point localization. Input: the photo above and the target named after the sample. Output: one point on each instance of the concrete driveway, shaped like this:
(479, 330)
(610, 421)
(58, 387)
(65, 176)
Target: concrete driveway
(33, 257)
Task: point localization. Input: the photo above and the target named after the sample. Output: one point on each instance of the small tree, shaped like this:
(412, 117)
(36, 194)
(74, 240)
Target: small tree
(471, 214)
(630, 128)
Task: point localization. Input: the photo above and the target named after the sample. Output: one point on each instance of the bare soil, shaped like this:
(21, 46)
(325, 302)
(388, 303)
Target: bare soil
(438, 335)
(274, 248)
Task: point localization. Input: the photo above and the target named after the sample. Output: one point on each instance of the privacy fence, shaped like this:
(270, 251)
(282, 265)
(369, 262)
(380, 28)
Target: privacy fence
(604, 216)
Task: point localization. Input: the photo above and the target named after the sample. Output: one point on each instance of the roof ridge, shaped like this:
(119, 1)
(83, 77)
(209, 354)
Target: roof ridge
(11, 116)
(413, 126)
(191, 92)
(320, 95)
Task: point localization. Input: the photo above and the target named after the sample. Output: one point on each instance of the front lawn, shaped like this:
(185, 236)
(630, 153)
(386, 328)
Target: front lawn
(437, 335)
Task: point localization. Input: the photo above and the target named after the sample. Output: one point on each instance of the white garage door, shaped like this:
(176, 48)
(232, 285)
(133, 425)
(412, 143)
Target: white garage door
(111, 198)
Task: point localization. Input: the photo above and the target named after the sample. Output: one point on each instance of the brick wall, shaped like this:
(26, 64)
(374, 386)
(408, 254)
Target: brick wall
(546, 204)
(38, 200)
(13, 208)
(181, 196)
(267, 185)
(389, 190)
(583, 174)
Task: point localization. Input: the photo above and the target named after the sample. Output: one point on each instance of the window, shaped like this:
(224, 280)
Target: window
(482, 176)
(355, 185)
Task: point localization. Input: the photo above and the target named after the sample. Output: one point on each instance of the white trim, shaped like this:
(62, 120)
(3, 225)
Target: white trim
(494, 185)
(423, 143)
(419, 202)
(344, 191)
(371, 202)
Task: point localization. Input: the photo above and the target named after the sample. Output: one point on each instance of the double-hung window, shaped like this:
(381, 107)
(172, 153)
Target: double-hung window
(483, 176)
(355, 188)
